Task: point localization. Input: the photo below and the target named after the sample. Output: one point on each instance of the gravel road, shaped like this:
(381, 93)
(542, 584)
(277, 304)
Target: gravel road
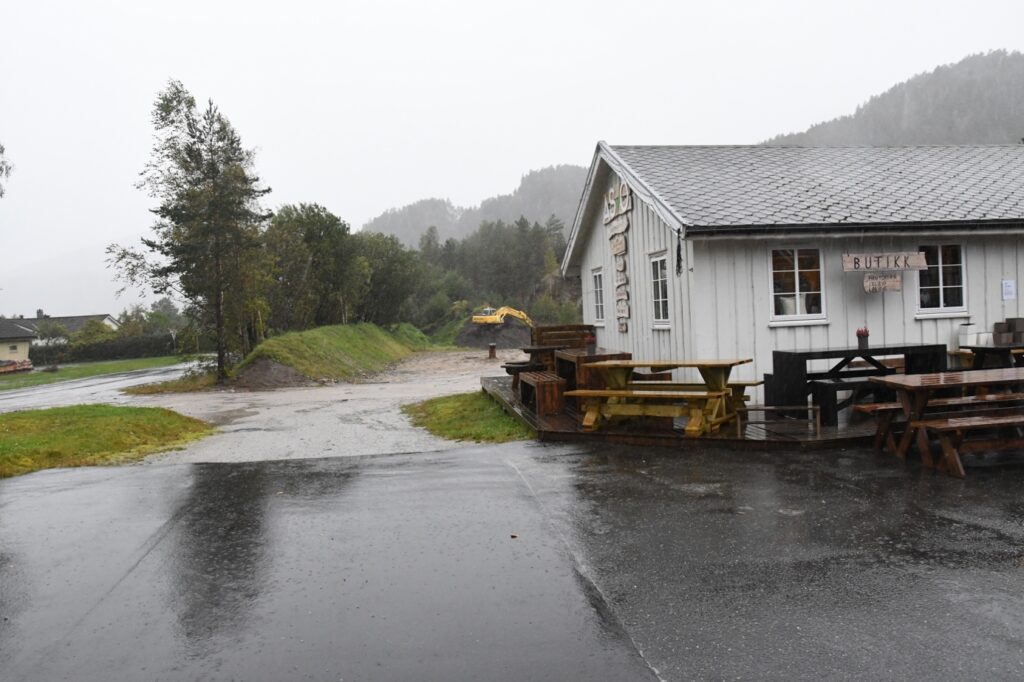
(342, 420)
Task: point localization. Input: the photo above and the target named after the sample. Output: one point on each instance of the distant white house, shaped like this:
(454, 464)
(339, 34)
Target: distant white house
(737, 251)
(15, 340)
(71, 323)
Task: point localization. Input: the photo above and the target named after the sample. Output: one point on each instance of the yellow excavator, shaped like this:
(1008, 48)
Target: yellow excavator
(497, 316)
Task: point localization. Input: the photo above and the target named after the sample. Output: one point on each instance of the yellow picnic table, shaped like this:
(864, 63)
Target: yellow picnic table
(715, 410)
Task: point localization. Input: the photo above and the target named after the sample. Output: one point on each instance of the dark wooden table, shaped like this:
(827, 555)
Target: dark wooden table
(542, 355)
(790, 376)
(915, 390)
(994, 357)
(571, 365)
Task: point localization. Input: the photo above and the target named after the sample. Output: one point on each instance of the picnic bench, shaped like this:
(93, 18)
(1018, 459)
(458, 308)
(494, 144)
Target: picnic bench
(953, 432)
(610, 403)
(712, 396)
(737, 389)
(887, 413)
(791, 381)
(995, 356)
(917, 394)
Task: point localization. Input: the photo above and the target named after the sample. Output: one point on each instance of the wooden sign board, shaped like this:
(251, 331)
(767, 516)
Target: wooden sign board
(618, 244)
(884, 262)
(620, 263)
(622, 309)
(618, 226)
(621, 278)
(875, 282)
(621, 293)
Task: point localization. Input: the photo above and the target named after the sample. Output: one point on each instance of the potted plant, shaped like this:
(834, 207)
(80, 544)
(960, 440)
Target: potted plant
(862, 337)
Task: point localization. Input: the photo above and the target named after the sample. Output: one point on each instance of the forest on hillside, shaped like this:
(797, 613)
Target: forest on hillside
(553, 191)
(247, 273)
(978, 100)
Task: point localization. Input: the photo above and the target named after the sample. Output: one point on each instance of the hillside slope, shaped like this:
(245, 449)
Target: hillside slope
(541, 193)
(978, 100)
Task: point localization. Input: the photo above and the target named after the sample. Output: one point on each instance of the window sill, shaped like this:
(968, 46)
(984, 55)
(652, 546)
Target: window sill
(944, 315)
(662, 327)
(599, 323)
(804, 322)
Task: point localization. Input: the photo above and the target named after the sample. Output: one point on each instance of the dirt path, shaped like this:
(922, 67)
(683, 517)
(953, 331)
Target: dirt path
(333, 421)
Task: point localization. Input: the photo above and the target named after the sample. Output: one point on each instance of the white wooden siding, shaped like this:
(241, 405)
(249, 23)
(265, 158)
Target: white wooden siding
(729, 312)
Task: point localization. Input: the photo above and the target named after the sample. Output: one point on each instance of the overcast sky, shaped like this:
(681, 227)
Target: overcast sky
(365, 106)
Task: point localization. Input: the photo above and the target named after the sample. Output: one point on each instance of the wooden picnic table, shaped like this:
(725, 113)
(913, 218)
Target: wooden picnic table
(994, 357)
(543, 355)
(792, 381)
(916, 390)
(714, 411)
(572, 365)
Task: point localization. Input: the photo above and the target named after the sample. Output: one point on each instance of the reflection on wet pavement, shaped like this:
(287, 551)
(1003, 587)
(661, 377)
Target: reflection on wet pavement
(699, 565)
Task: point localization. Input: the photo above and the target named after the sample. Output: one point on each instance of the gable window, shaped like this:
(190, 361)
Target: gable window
(598, 296)
(659, 289)
(941, 286)
(796, 284)
(13, 349)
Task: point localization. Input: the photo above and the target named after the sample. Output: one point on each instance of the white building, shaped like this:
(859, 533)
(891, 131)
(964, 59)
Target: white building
(722, 252)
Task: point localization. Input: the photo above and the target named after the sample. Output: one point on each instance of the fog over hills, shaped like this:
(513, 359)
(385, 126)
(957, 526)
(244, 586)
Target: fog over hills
(541, 193)
(978, 100)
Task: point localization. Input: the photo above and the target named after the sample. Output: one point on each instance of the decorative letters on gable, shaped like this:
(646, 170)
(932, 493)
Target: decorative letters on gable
(618, 202)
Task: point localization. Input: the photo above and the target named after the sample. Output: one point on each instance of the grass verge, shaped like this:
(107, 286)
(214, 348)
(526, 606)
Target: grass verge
(336, 353)
(467, 416)
(85, 435)
(340, 352)
(11, 381)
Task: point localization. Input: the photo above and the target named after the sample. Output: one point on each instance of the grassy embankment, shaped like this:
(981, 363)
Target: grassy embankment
(336, 353)
(21, 380)
(467, 416)
(85, 435)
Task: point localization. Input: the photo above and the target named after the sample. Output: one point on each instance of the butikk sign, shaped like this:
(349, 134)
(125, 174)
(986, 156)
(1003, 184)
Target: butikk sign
(884, 262)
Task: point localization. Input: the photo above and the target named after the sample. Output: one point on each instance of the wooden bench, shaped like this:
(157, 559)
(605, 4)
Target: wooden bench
(516, 368)
(645, 403)
(737, 398)
(952, 433)
(886, 413)
(825, 394)
(542, 392)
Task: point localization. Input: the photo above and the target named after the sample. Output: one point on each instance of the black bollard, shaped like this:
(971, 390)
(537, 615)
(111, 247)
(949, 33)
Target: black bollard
(491, 348)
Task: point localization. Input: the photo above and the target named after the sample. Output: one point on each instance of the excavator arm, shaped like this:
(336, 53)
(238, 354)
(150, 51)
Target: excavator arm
(498, 316)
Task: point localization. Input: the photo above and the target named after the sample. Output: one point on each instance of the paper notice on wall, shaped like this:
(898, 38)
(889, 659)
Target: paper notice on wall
(1009, 290)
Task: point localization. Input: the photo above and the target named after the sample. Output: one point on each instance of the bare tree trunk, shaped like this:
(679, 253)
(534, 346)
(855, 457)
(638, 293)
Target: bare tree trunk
(218, 314)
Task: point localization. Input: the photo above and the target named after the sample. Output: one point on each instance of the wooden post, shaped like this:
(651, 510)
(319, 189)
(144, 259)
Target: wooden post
(491, 348)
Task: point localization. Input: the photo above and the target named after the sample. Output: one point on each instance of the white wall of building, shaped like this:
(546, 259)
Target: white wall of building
(721, 306)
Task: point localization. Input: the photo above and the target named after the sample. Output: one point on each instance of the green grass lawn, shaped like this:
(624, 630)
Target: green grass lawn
(85, 435)
(90, 369)
(467, 416)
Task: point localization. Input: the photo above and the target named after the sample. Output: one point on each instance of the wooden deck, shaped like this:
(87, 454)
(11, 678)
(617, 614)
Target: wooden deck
(780, 433)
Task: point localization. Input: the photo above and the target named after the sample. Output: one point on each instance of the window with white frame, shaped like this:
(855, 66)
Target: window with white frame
(941, 286)
(659, 288)
(598, 296)
(796, 284)
(12, 349)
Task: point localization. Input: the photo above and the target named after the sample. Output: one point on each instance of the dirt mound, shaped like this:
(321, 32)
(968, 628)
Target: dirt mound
(507, 335)
(263, 373)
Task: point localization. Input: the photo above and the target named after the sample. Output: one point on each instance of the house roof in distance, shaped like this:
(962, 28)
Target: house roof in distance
(72, 323)
(14, 330)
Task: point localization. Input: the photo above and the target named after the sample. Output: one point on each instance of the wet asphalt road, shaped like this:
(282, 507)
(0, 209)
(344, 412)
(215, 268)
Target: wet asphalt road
(105, 388)
(709, 565)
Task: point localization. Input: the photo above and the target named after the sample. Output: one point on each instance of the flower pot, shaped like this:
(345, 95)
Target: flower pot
(862, 342)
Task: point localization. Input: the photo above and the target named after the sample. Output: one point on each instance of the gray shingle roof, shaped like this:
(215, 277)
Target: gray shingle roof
(72, 323)
(717, 187)
(10, 329)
